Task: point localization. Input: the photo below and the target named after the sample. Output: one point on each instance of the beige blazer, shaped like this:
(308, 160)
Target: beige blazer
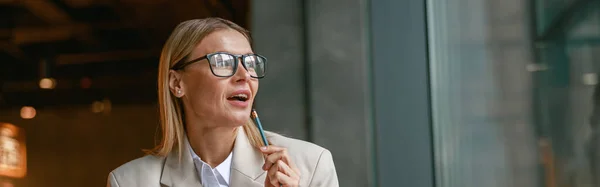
(314, 162)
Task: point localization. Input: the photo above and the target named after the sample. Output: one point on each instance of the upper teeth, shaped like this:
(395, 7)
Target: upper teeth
(241, 95)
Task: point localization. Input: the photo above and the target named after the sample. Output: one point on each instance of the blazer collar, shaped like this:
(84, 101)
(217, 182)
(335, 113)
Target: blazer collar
(180, 173)
(246, 166)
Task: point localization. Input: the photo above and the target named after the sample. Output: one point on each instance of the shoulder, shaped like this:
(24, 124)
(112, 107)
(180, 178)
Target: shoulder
(314, 161)
(147, 168)
(295, 146)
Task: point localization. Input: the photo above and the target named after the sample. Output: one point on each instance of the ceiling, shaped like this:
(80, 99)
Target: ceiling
(112, 44)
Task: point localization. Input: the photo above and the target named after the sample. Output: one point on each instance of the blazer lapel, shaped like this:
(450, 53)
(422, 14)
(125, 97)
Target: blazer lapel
(246, 166)
(180, 173)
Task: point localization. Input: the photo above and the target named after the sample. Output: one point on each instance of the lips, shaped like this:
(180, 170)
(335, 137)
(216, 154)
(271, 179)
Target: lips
(240, 98)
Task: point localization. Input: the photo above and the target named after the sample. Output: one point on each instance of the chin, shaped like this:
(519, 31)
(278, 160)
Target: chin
(237, 123)
(238, 116)
(239, 120)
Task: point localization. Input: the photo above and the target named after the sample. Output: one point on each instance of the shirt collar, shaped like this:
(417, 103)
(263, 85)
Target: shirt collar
(224, 168)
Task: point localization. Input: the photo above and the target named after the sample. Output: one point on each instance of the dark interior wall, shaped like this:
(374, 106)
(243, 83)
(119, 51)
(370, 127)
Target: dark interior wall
(72, 146)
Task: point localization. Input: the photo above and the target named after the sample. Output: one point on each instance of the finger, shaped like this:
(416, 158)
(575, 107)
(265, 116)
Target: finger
(271, 149)
(284, 155)
(281, 168)
(274, 157)
(272, 173)
(268, 182)
(284, 180)
(284, 168)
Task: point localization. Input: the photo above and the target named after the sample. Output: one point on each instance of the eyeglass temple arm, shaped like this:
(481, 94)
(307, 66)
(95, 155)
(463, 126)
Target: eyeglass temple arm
(181, 64)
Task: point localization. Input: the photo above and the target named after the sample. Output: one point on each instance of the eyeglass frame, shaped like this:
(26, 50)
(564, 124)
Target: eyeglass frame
(180, 65)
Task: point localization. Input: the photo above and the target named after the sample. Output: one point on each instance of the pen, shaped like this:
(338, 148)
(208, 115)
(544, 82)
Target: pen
(254, 117)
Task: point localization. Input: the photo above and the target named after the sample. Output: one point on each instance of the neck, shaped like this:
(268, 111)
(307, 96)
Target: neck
(212, 145)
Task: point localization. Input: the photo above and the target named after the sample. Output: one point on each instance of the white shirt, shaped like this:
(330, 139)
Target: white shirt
(212, 177)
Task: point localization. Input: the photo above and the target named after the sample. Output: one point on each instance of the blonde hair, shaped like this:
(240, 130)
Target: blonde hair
(184, 38)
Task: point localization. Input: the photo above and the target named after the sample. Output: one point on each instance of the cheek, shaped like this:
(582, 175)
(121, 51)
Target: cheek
(207, 90)
(202, 88)
(254, 87)
(205, 99)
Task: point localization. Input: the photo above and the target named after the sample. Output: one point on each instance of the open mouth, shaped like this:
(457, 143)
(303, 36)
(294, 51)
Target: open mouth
(238, 97)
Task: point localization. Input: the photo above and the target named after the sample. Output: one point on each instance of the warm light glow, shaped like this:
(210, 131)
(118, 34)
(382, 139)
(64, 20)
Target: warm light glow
(47, 83)
(27, 112)
(107, 106)
(103, 106)
(97, 107)
(7, 184)
(13, 160)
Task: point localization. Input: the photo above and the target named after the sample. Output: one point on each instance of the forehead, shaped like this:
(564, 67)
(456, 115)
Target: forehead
(226, 40)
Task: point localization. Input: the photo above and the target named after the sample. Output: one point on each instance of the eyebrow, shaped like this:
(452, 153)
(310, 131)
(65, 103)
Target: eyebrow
(252, 52)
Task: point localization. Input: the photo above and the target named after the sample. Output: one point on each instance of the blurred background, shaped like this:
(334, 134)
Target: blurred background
(431, 93)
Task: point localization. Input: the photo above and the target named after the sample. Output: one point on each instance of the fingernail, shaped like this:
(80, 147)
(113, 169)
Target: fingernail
(263, 148)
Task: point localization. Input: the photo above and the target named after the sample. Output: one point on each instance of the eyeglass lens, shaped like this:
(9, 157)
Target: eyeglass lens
(224, 64)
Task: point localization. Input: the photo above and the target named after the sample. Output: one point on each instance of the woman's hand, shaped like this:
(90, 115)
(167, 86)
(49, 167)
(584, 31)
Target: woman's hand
(281, 170)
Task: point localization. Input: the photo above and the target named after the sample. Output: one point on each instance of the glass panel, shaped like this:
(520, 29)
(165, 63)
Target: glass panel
(565, 102)
(548, 10)
(481, 94)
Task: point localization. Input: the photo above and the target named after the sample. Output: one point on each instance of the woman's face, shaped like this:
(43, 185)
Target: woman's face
(210, 98)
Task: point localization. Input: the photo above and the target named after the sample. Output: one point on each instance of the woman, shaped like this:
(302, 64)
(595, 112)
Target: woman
(208, 79)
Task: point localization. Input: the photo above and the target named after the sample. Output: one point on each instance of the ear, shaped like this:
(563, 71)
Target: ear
(175, 83)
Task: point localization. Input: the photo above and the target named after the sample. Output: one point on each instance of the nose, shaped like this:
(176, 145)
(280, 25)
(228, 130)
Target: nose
(241, 74)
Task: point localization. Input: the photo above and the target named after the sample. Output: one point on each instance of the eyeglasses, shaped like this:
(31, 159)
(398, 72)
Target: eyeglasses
(225, 64)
